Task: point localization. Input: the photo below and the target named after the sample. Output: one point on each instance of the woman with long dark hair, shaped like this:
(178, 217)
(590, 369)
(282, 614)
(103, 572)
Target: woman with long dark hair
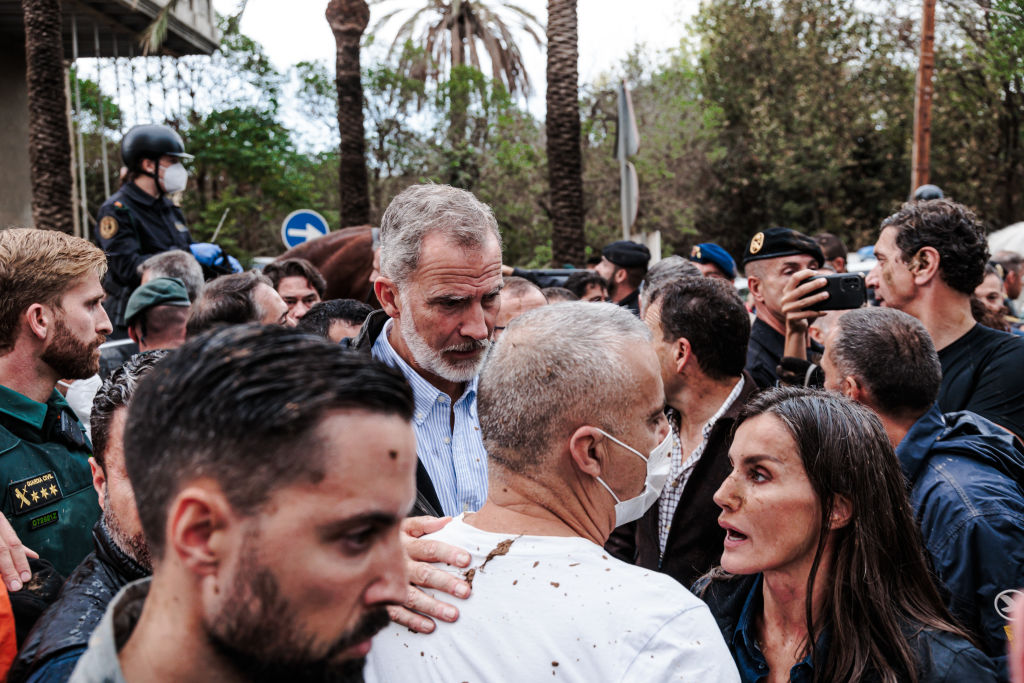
(823, 576)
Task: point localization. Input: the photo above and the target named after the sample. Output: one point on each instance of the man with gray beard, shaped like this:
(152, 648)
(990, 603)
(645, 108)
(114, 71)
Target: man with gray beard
(440, 264)
(121, 556)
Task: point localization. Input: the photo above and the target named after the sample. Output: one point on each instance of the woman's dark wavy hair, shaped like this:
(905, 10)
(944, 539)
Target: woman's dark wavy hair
(882, 588)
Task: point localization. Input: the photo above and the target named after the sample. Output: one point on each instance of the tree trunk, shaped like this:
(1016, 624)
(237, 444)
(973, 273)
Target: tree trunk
(565, 163)
(49, 140)
(348, 20)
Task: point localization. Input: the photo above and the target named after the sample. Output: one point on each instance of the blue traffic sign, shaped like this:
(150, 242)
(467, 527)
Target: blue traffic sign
(302, 226)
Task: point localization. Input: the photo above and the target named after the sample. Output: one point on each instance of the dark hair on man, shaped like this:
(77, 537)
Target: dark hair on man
(666, 270)
(951, 229)
(555, 295)
(579, 281)
(227, 300)
(709, 314)
(158, 321)
(831, 246)
(296, 267)
(892, 355)
(318, 319)
(880, 586)
(116, 392)
(178, 264)
(242, 406)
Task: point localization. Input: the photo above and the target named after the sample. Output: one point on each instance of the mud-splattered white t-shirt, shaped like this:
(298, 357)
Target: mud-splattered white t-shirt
(547, 608)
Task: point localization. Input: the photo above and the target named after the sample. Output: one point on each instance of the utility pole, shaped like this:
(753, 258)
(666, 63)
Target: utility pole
(921, 162)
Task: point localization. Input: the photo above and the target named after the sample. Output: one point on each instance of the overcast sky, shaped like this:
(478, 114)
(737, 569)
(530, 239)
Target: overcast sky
(295, 30)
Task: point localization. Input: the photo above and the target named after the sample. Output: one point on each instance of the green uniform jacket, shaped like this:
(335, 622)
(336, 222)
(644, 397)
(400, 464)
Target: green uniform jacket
(44, 460)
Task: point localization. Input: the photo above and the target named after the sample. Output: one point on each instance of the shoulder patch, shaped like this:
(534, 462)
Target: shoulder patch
(35, 492)
(118, 205)
(108, 227)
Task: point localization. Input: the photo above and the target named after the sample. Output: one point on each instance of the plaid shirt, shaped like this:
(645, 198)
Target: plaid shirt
(681, 469)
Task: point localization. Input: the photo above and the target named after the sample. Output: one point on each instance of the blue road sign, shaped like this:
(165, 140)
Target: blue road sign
(302, 226)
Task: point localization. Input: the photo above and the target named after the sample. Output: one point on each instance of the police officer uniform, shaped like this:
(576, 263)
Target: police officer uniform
(48, 496)
(133, 225)
(766, 344)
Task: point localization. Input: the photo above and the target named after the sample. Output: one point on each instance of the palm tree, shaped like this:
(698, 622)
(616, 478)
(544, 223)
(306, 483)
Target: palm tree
(450, 33)
(49, 139)
(565, 162)
(348, 20)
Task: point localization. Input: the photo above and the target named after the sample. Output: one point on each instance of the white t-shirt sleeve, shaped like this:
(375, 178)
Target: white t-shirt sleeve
(689, 647)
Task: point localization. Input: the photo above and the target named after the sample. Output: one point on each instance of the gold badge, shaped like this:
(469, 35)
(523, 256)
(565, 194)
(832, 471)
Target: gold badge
(695, 252)
(108, 227)
(757, 243)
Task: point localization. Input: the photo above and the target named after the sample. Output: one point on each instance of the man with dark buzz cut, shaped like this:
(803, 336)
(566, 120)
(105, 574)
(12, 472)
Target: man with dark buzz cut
(120, 553)
(335, 319)
(931, 257)
(623, 265)
(774, 257)
(272, 516)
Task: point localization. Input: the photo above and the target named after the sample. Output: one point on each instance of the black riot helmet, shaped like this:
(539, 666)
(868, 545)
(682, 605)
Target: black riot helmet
(150, 141)
(927, 192)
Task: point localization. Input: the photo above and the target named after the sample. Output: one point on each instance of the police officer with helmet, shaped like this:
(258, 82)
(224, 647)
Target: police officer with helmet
(139, 220)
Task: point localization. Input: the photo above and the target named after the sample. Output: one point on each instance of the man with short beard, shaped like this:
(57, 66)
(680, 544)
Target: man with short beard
(121, 556)
(51, 326)
(440, 263)
(271, 471)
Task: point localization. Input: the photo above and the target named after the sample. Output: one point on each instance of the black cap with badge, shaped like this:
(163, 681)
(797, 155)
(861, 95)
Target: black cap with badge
(626, 254)
(775, 242)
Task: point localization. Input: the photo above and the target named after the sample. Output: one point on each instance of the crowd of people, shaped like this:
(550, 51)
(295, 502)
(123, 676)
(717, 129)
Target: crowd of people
(632, 475)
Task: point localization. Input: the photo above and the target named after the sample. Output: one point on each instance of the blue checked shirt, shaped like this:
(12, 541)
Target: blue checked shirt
(455, 459)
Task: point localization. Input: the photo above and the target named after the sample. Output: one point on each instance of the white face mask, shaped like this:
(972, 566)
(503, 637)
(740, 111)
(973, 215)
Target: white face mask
(658, 465)
(175, 178)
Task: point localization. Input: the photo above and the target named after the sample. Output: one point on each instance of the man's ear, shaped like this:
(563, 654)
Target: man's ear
(198, 527)
(851, 388)
(924, 265)
(39, 320)
(754, 285)
(842, 512)
(387, 294)
(682, 353)
(99, 480)
(583, 450)
(133, 334)
(620, 275)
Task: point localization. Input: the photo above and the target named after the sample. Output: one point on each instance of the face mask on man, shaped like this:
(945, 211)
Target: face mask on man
(658, 465)
(175, 178)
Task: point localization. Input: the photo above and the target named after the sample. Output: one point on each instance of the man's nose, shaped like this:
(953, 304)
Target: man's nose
(474, 325)
(104, 327)
(872, 279)
(392, 584)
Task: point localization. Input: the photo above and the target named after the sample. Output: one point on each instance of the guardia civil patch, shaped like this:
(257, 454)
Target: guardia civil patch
(33, 493)
(108, 227)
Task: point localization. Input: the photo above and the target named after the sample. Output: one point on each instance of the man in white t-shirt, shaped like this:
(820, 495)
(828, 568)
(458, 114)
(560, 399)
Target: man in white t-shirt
(571, 409)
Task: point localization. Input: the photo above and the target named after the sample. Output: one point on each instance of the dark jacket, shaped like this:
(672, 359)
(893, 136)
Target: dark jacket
(967, 489)
(62, 634)
(694, 539)
(131, 226)
(427, 502)
(764, 353)
(941, 656)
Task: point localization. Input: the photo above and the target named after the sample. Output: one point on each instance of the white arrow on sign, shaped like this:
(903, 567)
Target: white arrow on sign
(309, 232)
